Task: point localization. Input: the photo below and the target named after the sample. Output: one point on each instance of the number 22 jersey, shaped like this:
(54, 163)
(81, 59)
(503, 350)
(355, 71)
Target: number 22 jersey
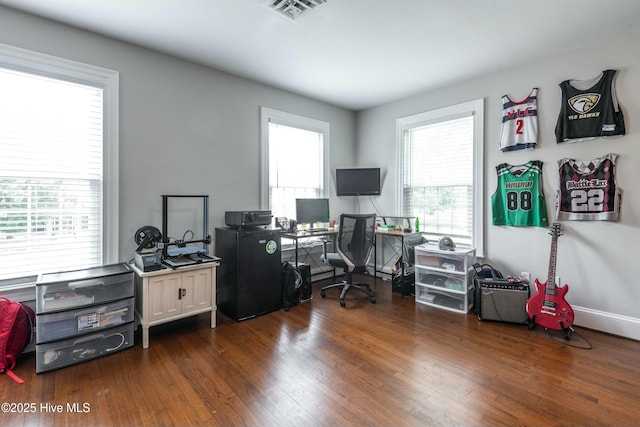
(588, 190)
(519, 199)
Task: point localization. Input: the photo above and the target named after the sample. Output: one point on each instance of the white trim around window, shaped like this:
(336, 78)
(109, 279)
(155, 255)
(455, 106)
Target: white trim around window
(108, 80)
(269, 115)
(474, 109)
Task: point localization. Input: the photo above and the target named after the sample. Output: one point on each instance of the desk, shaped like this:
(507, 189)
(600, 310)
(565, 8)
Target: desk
(302, 235)
(398, 253)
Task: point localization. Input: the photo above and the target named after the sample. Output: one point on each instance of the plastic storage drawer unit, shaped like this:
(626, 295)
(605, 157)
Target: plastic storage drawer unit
(83, 314)
(74, 289)
(443, 278)
(454, 282)
(460, 302)
(60, 354)
(70, 323)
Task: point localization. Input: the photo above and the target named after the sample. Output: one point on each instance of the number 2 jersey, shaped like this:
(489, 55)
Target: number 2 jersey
(519, 129)
(588, 190)
(519, 199)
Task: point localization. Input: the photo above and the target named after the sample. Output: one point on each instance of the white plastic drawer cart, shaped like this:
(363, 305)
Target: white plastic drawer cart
(443, 278)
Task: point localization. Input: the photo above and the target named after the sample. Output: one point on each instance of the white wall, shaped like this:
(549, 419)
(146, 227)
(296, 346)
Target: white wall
(184, 128)
(596, 259)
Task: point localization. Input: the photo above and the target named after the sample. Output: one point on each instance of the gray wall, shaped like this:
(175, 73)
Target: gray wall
(184, 128)
(596, 259)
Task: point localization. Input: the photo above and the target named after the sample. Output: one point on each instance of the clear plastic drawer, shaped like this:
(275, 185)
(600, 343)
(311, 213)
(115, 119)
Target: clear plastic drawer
(60, 354)
(442, 299)
(457, 261)
(72, 294)
(449, 281)
(82, 321)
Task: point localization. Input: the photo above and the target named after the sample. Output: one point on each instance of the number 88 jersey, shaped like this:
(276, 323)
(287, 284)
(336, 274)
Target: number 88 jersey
(588, 190)
(519, 200)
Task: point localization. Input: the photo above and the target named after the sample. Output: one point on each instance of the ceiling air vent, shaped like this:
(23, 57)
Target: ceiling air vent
(292, 9)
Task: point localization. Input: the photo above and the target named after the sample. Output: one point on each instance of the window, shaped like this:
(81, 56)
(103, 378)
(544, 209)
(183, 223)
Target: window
(58, 164)
(440, 172)
(295, 152)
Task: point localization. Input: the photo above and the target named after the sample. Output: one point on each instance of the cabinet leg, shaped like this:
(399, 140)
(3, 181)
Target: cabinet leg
(145, 337)
(213, 319)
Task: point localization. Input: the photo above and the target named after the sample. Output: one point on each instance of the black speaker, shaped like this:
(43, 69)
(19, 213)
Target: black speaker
(502, 300)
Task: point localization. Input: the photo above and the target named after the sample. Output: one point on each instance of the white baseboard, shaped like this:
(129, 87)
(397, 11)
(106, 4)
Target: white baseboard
(624, 326)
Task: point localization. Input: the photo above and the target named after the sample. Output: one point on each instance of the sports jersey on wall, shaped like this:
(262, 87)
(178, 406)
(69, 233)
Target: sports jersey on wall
(589, 109)
(588, 190)
(519, 123)
(519, 199)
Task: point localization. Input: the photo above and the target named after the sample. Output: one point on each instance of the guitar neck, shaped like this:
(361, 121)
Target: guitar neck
(553, 255)
(551, 278)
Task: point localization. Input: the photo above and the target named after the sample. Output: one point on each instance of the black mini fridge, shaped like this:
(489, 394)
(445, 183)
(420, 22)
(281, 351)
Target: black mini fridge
(248, 278)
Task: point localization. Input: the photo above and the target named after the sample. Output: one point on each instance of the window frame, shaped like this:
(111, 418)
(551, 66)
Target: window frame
(475, 109)
(31, 62)
(270, 115)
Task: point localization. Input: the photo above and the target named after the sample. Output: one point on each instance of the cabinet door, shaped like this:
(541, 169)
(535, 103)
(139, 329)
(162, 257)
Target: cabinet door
(197, 287)
(163, 296)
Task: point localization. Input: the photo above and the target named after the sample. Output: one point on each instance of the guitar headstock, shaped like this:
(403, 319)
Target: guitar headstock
(555, 229)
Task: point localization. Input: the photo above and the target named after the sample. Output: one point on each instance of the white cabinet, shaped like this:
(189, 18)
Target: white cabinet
(166, 295)
(444, 279)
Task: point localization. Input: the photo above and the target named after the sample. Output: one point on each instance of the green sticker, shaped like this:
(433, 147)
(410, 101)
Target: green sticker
(271, 247)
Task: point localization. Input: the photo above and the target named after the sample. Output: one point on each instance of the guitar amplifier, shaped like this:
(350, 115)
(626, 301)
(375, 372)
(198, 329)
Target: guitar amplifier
(502, 300)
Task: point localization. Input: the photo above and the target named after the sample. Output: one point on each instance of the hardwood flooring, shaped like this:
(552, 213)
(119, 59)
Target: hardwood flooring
(395, 363)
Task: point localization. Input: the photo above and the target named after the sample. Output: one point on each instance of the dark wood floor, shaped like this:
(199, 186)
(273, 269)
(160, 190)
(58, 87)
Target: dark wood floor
(394, 363)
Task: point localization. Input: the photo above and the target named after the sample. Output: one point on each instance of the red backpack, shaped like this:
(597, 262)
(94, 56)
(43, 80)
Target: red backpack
(16, 332)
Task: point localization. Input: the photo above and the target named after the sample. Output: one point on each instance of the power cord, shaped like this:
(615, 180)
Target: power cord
(561, 336)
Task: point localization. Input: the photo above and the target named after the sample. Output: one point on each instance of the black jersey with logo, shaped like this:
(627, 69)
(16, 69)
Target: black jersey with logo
(589, 109)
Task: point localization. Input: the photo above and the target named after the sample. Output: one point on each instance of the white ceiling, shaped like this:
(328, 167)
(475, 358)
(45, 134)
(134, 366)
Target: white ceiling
(352, 53)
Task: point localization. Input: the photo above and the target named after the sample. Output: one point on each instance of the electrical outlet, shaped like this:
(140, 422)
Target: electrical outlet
(526, 275)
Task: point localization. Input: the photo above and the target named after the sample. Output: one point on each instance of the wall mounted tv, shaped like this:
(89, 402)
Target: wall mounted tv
(358, 182)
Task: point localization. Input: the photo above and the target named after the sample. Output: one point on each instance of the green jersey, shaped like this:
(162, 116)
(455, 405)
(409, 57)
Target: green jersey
(519, 199)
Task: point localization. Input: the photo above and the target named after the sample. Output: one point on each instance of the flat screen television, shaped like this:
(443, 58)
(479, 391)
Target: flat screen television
(310, 211)
(358, 182)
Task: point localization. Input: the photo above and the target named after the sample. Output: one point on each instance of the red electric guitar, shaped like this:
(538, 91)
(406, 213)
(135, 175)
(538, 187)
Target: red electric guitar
(547, 307)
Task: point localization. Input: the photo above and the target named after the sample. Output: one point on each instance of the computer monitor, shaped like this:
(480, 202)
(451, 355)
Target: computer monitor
(310, 211)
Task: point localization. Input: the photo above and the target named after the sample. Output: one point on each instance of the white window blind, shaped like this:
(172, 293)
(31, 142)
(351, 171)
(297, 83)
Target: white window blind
(295, 153)
(295, 167)
(51, 174)
(438, 183)
(441, 172)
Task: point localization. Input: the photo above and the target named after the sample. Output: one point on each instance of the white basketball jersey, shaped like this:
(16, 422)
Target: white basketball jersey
(519, 123)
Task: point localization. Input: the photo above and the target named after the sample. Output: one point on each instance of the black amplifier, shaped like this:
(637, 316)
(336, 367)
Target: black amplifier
(247, 218)
(502, 300)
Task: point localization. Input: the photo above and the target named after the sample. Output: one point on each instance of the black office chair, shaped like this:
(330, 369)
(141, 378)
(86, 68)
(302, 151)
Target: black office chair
(355, 241)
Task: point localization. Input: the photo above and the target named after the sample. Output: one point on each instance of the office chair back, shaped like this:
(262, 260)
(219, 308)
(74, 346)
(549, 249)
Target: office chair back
(355, 240)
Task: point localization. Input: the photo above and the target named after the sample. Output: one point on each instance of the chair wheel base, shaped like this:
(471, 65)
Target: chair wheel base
(342, 303)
